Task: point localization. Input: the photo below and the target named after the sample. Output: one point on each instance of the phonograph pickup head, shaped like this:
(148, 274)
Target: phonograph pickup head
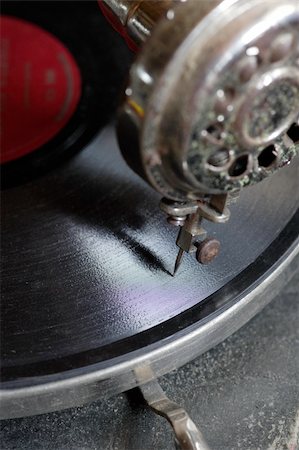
(211, 105)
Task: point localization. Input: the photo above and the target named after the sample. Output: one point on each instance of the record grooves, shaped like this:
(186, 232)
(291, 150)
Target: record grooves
(224, 298)
(86, 277)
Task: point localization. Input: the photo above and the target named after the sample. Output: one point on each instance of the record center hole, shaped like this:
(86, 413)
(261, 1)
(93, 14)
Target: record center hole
(239, 166)
(293, 132)
(219, 158)
(267, 157)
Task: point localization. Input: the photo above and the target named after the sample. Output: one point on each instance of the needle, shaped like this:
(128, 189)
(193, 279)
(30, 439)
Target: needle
(178, 261)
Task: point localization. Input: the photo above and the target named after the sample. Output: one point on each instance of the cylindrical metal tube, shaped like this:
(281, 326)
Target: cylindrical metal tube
(136, 17)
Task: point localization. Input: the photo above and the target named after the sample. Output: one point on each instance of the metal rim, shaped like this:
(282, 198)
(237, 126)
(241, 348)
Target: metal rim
(272, 269)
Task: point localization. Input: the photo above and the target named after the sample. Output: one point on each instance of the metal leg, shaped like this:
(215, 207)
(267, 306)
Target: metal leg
(187, 435)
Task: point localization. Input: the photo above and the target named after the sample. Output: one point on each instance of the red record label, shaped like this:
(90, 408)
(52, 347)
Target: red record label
(40, 87)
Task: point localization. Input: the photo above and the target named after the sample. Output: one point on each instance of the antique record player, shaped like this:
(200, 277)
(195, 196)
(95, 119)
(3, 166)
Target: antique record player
(117, 115)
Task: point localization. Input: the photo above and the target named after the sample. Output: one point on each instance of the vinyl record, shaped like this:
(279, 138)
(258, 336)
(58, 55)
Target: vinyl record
(87, 290)
(62, 68)
(87, 256)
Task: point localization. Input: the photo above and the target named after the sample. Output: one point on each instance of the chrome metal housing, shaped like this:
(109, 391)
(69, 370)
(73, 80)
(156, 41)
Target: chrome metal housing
(212, 103)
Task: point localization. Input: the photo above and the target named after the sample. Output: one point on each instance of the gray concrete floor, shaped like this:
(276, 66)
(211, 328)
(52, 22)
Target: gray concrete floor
(244, 394)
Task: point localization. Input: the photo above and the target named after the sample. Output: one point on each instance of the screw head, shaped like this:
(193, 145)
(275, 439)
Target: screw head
(207, 250)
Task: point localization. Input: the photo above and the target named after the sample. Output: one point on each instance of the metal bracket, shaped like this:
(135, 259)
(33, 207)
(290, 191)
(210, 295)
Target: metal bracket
(172, 208)
(188, 216)
(187, 435)
(216, 209)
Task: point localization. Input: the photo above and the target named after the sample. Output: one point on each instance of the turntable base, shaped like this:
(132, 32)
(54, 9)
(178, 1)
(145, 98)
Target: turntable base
(87, 294)
(242, 394)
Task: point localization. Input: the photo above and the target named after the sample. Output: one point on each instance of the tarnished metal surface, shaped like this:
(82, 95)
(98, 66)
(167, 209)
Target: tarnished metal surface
(207, 250)
(212, 104)
(187, 434)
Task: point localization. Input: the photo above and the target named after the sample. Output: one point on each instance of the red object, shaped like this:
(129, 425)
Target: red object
(40, 87)
(117, 25)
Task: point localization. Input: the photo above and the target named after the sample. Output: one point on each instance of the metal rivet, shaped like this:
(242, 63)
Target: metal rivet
(207, 250)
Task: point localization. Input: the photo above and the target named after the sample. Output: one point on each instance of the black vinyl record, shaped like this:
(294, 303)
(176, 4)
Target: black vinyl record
(103, 61)
(87, 256)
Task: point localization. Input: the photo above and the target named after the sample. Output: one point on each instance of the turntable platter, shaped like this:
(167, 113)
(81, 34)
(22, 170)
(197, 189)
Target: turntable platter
(87, 291)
